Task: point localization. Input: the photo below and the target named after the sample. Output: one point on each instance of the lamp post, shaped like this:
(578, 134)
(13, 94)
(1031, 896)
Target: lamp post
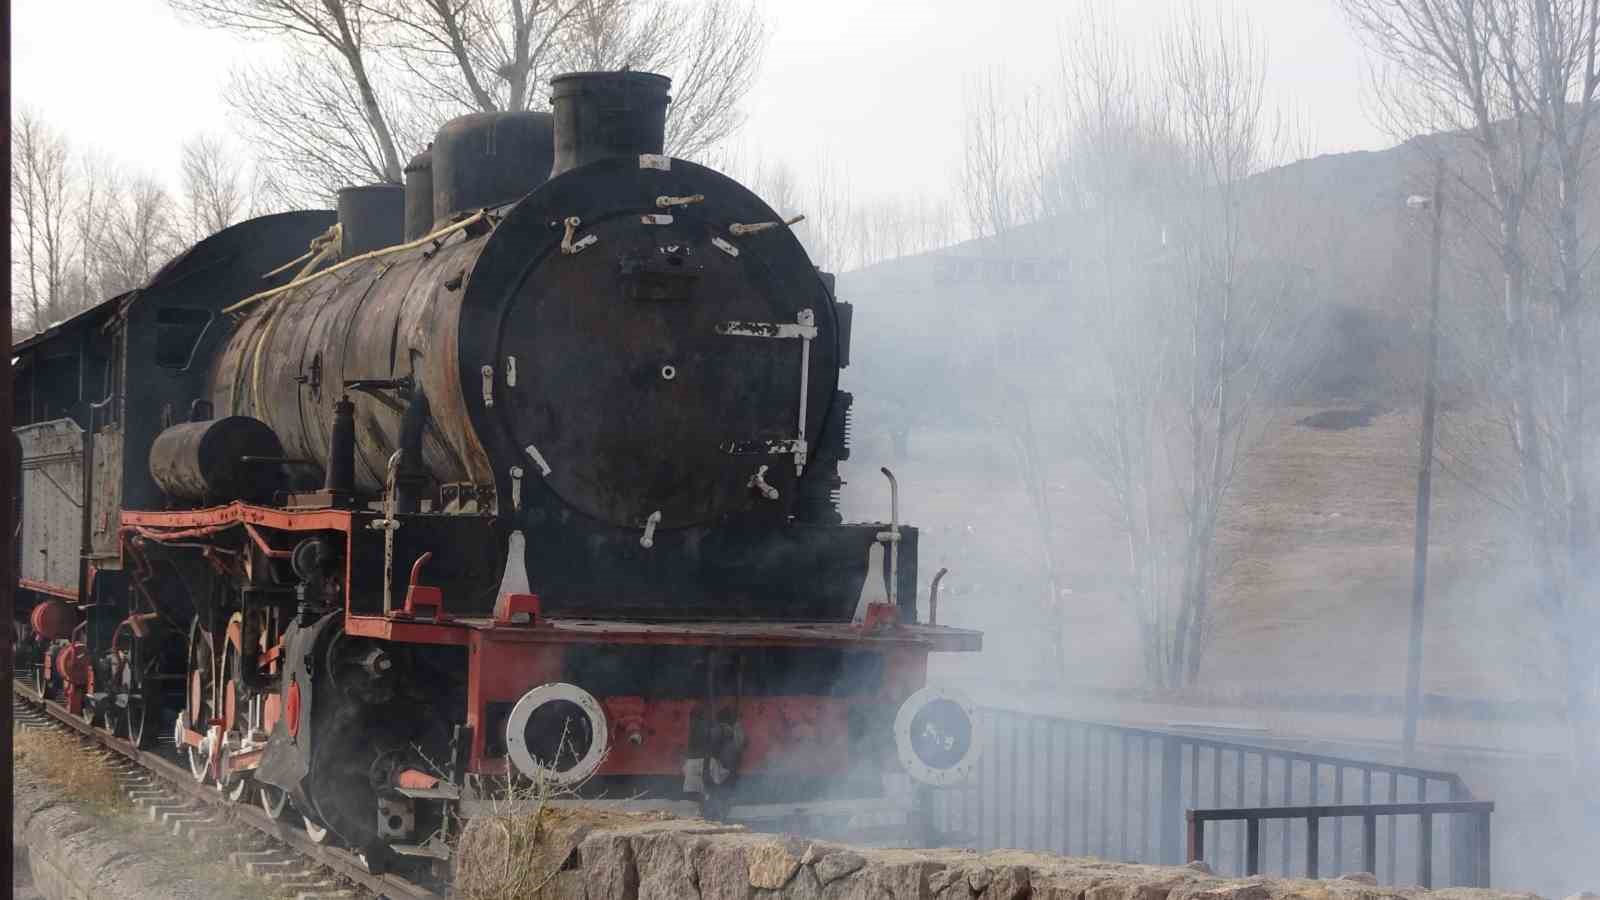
(1430, 391)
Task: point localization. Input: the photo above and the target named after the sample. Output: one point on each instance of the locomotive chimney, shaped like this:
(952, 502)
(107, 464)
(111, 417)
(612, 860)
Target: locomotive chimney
(371, 217)
(487, 159)
(419, 194)
(605, 114)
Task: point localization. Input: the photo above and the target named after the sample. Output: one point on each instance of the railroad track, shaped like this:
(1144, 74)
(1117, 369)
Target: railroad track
(163, 789)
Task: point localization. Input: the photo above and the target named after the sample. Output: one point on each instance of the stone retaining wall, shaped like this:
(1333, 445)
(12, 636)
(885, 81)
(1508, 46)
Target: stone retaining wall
(74, 855)
(635, 858)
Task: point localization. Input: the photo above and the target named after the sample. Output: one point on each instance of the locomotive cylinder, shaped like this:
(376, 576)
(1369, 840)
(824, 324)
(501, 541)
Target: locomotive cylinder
(371, 217)
(488, 159)
(52, 620)
(218, 460)
(605, 114)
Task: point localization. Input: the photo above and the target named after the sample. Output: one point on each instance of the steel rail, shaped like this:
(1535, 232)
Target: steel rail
(342, 862)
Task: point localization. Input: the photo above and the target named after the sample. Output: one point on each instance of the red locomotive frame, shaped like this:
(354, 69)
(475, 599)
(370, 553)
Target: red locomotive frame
(519, 649)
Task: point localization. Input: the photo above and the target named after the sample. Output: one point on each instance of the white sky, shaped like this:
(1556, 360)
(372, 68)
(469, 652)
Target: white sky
(875, 85)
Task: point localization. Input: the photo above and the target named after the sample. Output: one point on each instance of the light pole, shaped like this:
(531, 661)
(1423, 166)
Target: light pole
(1430, 391)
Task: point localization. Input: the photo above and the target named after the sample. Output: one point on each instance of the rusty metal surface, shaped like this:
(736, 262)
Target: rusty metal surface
(52, 502)
(722, 634)
(627, 399)
(231, 458)
(106, 496)
(607, 114)
(371, 217)
(240, 513)
(419, 195)
(485, 159)
(290, 357)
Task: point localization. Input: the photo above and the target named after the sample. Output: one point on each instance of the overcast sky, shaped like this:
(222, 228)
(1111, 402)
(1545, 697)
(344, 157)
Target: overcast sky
(875, 85)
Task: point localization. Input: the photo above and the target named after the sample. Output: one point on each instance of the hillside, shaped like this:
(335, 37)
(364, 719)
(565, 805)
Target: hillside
(1316, 545)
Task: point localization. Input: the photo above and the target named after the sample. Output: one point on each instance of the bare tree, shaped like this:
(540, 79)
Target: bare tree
(1231, 294)
(989, 168)
(326, 30)
(365, 78)
(486, 55)
(40, 218)
(776, 184)
(93, 211)
(215, 196)
(1113, 140)
(1513, 82)
(1181, 294)
(994, 188)
(310, 127)
(829, 231)
(142, 234)
(715, 54)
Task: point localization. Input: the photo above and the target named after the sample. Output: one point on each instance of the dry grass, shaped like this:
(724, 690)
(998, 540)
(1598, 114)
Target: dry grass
(517, 850)
(60, 758)
(1314, 585)
(63, 760)
(510, 853)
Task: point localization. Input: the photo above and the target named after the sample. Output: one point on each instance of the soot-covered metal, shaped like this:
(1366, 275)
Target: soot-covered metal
(528, 469)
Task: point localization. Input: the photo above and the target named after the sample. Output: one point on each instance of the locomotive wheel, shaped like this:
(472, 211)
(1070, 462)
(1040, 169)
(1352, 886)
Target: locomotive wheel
(198, 758)
(317, 833)
(138, 718)
(274, 800)
(198, 707)
(134, 680)
(89, 712)
(201, 676)
(235, 786)
(236, 789)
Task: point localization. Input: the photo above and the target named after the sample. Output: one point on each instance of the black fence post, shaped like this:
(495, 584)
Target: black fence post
(1171, 799)
(1425, 850)
(1197, 837)
(1369, 844)
(1312, 846)
(1485, 849)
(1252, 847)
(1463, 840)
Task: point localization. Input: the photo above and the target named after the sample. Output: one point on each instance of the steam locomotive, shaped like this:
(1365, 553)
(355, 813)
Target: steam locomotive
(526, 470)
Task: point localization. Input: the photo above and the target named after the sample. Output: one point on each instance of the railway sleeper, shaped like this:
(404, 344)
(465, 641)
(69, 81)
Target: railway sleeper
(275, 864)
(173, 822)
(243, 858)
(154, 795)
(218, 837)
(158, 812)
(317, 880)
(291, 877)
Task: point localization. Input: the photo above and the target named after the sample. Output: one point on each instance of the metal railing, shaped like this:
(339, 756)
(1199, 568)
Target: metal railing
(1368, 814)
(1093, 789)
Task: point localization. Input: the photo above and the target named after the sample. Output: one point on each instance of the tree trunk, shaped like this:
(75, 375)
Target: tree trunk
(517, 71)
(445, 9)
(1178, 666)
(351, 51)
(1201, 594)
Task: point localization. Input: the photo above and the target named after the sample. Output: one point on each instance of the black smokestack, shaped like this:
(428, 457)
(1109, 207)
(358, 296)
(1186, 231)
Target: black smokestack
(605, 114)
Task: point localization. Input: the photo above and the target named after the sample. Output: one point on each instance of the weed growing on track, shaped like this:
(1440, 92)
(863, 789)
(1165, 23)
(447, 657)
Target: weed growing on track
(63, 759)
